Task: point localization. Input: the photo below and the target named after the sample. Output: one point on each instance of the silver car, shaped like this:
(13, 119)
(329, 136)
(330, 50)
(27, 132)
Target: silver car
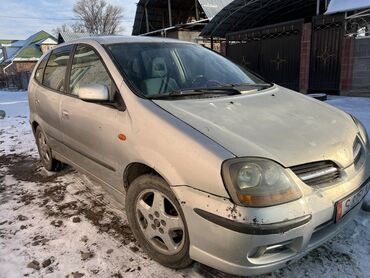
(215, 164)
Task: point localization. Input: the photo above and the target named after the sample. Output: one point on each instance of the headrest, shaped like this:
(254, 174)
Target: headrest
(159, 67)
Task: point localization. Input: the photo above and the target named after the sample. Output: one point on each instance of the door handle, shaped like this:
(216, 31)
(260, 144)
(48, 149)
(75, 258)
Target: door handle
(65, 114)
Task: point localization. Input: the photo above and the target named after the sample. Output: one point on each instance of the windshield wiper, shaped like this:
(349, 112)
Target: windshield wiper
(199, 91)
(235, 85)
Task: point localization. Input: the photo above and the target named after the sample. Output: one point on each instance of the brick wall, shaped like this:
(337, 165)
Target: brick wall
(304, 73)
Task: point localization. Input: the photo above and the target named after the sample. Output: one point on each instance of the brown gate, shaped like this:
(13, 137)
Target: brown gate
(271, 51)
(326, 48)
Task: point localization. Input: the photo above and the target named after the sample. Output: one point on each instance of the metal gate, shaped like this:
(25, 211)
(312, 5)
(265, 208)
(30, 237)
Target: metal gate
(271, 51)
(326, 49)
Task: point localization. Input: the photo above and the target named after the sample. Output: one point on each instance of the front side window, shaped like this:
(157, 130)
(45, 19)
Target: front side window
(40, 69)
(55, 71)
(163, 68)
(87, 68)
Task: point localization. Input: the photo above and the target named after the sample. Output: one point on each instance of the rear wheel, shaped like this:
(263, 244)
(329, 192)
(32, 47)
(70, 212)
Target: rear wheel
(157, 221)
(45, 152)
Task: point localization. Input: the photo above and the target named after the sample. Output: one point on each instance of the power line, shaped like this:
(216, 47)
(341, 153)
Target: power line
(38, 18)
(49, 18)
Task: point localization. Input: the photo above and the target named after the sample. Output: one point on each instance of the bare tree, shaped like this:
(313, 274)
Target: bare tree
(78, 28)
(98, 17)
(62, 28)
(73, 28)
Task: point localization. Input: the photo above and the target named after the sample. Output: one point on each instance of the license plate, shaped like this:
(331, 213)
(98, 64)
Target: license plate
(347, 203)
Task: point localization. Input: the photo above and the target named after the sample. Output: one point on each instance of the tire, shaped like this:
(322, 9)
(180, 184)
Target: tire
(152, 209)
(45, 152)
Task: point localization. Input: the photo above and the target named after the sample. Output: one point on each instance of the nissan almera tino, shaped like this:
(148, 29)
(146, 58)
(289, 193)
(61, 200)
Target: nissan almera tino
(214, 164)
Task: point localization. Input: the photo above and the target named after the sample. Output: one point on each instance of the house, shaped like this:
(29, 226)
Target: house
(22, 55)
(179, 19)
(71, 36)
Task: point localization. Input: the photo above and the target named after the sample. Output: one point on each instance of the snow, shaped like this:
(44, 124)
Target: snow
(14, 103)
(357, 106)
(70, 220)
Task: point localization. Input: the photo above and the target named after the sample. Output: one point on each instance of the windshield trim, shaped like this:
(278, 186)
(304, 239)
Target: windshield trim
(138, 92)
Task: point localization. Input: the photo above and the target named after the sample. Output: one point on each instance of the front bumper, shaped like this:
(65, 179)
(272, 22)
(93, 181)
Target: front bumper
(252, 241)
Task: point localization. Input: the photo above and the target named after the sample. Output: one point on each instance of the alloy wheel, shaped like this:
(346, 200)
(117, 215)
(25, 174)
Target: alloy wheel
(44, 148)
(160, 222)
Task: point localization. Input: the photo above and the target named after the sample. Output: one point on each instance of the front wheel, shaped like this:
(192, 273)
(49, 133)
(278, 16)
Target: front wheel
(157, 221)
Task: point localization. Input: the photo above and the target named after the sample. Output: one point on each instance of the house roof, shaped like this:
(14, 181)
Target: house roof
(247, 14)
(26, 49)
(31, 52)
(70, 36)
(7, 41)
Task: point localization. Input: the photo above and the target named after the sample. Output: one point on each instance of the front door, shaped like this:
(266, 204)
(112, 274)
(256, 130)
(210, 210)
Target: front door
(91, 129)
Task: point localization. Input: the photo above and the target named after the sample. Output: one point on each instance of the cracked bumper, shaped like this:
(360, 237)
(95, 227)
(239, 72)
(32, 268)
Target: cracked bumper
(252, 241)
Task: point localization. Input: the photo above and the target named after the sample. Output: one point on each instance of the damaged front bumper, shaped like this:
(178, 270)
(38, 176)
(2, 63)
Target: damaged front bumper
(253, 241)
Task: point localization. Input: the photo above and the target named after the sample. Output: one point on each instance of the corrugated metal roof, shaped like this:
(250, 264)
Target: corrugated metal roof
(246, 14)
(2, 41)
(337, 6)
(25, 49)
(70, 36)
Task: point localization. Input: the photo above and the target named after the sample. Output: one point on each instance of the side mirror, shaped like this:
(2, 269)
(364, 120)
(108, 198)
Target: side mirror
(93, 92)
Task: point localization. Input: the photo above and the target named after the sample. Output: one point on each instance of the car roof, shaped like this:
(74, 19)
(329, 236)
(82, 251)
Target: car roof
(125, 39)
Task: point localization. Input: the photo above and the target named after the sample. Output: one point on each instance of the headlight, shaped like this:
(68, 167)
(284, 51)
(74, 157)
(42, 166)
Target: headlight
(257, 182)
(362, 131)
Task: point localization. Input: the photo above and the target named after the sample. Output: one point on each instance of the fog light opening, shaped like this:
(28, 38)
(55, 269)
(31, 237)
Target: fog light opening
(274, 249)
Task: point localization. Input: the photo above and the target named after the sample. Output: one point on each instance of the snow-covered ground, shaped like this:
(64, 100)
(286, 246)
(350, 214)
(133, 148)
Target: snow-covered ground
(64, 225)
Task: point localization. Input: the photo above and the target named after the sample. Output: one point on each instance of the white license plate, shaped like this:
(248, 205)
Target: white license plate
(346, 204)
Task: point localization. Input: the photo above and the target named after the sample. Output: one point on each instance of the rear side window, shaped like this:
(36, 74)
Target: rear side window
(87, 68)
(40, 69)
(55, 71)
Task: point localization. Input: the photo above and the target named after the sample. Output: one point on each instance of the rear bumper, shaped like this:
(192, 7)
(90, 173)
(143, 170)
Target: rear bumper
(252, 241)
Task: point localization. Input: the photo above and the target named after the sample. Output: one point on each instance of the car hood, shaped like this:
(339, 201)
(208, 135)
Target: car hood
(276, 123)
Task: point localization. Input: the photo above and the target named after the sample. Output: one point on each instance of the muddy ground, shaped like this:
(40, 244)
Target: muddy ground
(64, 225)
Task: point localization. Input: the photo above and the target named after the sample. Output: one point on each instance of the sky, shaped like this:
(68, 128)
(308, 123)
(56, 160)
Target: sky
(20, 19)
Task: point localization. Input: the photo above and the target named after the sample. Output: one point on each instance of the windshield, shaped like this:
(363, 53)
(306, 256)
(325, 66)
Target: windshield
(160, 69)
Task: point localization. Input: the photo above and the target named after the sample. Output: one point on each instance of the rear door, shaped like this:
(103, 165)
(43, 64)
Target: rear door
(90, 129)
(48, 95)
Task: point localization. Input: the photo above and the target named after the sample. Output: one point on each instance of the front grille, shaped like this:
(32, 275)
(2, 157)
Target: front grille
(357, 151)
(317, 173)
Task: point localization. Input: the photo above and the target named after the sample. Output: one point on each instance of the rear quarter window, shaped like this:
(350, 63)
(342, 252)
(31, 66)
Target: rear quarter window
(40, 69)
